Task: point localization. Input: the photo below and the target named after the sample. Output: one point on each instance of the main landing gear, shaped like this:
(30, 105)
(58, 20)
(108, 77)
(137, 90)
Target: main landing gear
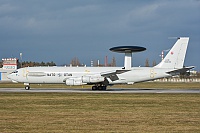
(101, 87)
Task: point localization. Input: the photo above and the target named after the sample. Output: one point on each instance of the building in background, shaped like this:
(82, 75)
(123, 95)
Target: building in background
(8, 66)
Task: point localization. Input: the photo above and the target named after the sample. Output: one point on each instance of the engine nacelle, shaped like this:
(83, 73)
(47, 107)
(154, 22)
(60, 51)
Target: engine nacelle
(92, 79)
(74, 82)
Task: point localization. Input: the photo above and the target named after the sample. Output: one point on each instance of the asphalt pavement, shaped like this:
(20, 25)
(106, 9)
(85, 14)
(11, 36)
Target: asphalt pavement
(113, 90)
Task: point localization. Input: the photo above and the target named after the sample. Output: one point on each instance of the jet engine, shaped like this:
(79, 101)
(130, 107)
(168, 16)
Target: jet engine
(92, 79)
(84, 80)
(74, 82)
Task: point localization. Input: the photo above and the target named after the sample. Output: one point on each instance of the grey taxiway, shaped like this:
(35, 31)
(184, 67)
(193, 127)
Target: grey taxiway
(113, 90)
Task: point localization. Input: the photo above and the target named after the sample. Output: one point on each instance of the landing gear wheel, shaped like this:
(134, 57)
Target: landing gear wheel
(94, 87)
(27, 87)
(99, 87)
(104, 87)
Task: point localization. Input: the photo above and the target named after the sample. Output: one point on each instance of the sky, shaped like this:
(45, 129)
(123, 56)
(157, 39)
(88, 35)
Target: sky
(59, 30)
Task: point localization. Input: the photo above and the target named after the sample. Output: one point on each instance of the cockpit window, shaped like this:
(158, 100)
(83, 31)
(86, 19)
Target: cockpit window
(15, 72)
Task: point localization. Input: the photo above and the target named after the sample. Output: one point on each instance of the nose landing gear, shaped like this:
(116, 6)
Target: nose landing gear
(27, 86)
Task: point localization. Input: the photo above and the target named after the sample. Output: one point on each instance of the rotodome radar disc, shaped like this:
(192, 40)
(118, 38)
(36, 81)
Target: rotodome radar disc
(129, 49)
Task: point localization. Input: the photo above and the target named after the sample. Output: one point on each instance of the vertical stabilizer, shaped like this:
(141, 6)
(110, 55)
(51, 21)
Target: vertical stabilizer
(176, 56)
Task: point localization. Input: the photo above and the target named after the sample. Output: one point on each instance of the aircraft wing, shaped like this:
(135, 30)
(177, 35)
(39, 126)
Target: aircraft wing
(182, 70)
(113, 74)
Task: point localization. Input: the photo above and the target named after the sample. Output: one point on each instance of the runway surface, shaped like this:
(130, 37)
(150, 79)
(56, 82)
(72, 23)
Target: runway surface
(113, 90)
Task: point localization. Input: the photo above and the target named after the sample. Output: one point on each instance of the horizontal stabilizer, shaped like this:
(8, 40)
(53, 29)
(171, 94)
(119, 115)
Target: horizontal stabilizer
(182, 70)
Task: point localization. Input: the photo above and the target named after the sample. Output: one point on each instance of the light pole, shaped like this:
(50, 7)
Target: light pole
(21, 59)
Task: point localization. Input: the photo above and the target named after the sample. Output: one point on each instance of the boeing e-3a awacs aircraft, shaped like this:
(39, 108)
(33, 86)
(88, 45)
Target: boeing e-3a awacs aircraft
(101, 77)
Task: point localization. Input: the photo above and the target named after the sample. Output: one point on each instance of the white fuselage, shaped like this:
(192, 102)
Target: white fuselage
(60, 74)
(171, 65)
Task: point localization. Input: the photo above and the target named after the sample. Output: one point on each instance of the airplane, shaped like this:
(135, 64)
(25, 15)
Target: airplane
(101, 77)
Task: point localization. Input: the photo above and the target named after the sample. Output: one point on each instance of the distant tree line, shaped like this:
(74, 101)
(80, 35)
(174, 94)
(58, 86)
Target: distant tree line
(33, 64)
(147, 63)
(75, 62)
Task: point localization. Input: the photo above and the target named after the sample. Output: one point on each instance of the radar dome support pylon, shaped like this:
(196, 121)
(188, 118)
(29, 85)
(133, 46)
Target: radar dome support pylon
(128, 50)
(128, 60)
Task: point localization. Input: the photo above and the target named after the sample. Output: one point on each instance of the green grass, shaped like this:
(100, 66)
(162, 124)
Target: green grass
(138, 85)
(160, 85)
(74, 112)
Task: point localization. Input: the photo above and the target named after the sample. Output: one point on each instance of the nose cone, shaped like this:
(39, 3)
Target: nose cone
(12, 78)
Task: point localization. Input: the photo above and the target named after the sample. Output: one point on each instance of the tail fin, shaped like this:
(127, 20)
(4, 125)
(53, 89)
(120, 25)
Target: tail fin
(176, 56)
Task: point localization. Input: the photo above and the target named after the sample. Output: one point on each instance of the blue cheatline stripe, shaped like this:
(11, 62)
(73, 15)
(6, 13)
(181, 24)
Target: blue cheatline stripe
(0, 75)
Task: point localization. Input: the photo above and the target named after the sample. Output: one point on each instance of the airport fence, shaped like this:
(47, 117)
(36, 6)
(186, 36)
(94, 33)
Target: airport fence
(196, 80)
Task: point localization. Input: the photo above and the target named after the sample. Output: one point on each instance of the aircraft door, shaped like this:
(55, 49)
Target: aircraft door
(152, 73)
(25, 73)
